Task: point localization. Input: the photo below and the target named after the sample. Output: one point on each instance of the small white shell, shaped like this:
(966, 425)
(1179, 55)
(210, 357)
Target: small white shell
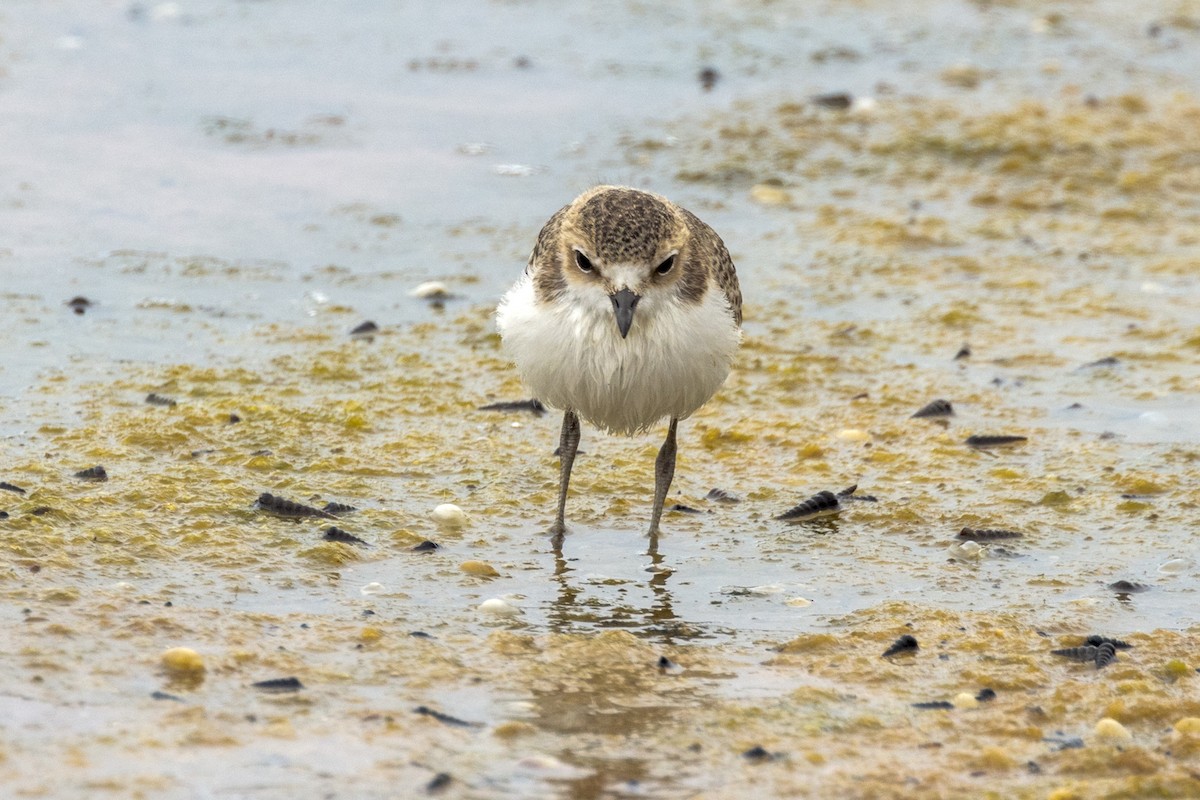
(430, 290)
(449, 516)
(374, 587)
(498, 608)
(965, 700)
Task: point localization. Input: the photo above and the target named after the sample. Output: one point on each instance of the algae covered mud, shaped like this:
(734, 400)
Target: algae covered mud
(229, 566)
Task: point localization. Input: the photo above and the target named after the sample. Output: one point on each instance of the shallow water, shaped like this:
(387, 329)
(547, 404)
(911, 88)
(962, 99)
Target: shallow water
(236, 186)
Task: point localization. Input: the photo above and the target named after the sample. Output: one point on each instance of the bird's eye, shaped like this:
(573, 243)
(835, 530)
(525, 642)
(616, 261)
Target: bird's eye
(582, 262)
(666, 266)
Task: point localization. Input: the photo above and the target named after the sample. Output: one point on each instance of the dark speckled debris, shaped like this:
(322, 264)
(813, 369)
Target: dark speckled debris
(333, 534)
(838, 100)
(533, 406)
(708, 78)
(1063, 743)
(282, 507)
(820, 504)
(426, 547)
(934, 705)
(963, 352)
(682, 509)
(337, 508)
(3, 515)
(153, 399)
(986, 695)
(96, 473)
(445, 719)
(718, 495)
(995, 441)
(234, 419)
(1096, 640)
(987, 534)
(668, 667)
(364, 329)
(906, 644)
(279, 685)
(935, 408)
(759, 754)
(79, 304)
(438, 783)
(1128, 587)
(8, 487)
(165, 696)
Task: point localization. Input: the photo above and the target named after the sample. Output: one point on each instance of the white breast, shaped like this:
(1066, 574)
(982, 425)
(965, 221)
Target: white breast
(571, 355)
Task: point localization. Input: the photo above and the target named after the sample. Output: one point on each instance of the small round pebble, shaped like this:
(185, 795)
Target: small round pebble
(1109, 730)
(182, 661)
(499, 608)
(854, 435)
(479, 568)
(448, 515)
(1188, 726)
(965, 700)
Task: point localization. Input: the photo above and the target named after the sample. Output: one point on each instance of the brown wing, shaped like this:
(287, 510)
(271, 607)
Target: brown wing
(708, 246)
(543, 266)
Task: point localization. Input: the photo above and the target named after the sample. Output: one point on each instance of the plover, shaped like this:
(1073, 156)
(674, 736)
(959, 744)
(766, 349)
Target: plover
(628, 313)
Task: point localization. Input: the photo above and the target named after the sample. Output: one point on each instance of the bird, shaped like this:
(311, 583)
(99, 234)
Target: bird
(628, 313)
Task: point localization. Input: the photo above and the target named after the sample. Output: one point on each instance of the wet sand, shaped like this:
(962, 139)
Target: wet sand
(244, 185)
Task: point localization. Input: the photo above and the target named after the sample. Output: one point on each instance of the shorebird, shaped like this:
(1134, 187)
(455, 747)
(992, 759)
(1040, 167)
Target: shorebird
(628, 313)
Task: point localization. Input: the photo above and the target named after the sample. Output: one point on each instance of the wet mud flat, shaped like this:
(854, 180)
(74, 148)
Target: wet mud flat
(309, 563)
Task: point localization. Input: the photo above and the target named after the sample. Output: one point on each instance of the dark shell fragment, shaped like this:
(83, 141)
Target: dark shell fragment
(1096, 640)
(820, 504)
(438, 782)
(682, 509)
(963, 352)
(838, 100)
(1128, 587)
(79, 304)
(935, 408)
(337, 508)
(995, 441)
(987, 534)
(905, 644)
(279, 685)
(446, 719)
(153, 399)
(425, 546)
(533, 405)
(708, 78)
(986, 695)
(718, 495)
(364, 329)
(282, 507)
(96, 473)
(1107, 361)
(1105, 655)
(934, 705)
(849, 494)
(8, 487)
(759, 754)
(333, 534)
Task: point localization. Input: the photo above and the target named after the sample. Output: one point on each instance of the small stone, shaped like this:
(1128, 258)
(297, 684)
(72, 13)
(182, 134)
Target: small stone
(965, 700)
(1110, 731)
(279, 685)
(449, 516)
(425, 547)
(1188, 726)
(182, 661)
(96, 474)
(854, 435)
(906, 644)
(480, 569)
(769, 195)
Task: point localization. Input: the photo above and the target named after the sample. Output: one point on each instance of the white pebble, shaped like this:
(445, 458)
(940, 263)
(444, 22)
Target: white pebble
(854, 435)
(498, 608)
(1175, 566)
(374, 587)
(430, 290)
(450, 516)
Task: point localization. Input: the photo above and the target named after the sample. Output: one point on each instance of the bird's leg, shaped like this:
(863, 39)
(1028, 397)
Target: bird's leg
(568, 444)
(664, 472)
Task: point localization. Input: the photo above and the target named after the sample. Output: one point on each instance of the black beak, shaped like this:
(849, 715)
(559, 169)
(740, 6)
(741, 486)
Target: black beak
(624, 302)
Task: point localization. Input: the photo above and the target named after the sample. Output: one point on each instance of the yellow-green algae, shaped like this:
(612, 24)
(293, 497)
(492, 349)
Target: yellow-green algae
(565, 706)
